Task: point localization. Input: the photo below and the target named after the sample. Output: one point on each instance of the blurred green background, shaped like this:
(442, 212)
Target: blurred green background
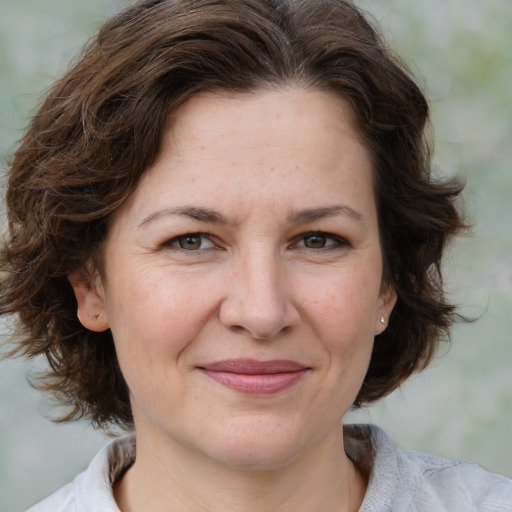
(461, 51)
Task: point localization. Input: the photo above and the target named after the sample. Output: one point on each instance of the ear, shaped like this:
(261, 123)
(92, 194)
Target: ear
(385, 305)
(89, 293)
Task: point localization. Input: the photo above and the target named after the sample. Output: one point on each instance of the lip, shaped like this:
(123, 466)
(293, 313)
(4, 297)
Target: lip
(254, 377)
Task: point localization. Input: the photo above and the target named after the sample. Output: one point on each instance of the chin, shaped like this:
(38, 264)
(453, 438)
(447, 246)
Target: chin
(258, 447)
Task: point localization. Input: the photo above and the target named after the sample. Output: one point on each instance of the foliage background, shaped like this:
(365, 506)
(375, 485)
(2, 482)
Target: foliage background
(460, 407)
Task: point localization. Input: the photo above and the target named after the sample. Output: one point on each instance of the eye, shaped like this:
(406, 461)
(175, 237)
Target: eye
(316, 241)
(320, 240)
(191, 242)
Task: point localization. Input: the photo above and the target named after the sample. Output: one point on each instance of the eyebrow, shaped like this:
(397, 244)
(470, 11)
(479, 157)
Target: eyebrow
(213, 217)
(194, 212)
(312, 214)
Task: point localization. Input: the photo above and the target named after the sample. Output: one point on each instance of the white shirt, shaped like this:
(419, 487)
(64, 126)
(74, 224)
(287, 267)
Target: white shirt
(400, 481)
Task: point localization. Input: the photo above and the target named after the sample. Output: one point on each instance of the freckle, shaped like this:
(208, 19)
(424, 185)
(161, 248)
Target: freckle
(202, 148)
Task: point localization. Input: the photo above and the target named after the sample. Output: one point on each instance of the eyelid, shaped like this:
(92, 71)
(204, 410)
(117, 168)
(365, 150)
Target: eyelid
(339, 241)
(174, 241)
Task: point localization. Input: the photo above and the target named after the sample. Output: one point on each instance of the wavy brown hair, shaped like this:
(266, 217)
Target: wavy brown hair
(100, 128)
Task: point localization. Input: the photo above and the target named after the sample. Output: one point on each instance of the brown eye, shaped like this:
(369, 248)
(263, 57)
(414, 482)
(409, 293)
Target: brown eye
(316, 241)
(190, 242)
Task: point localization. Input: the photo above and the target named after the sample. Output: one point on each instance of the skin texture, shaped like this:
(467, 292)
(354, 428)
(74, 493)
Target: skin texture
(256, 175)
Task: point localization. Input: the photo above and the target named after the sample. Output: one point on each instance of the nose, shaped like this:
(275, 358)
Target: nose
(259, 299)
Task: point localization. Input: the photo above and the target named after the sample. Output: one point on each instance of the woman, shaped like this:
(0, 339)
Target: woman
(223, 234)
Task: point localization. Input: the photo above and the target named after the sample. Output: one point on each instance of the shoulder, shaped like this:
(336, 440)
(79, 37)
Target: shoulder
(406, 481)
(91, 490)
(453, 483)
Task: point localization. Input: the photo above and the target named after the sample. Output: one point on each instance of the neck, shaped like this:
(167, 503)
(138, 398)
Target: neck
(323, 479)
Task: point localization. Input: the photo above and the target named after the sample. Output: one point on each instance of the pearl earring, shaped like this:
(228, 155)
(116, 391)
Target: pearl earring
(382, 320)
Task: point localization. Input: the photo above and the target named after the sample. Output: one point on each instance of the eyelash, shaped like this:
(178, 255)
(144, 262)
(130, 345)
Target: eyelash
(337, 241)
(175, 242)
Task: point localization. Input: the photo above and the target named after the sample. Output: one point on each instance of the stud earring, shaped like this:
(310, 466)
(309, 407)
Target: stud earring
(382, 320)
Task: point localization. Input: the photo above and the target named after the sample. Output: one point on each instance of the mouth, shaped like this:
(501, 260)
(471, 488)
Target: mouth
(254, 377)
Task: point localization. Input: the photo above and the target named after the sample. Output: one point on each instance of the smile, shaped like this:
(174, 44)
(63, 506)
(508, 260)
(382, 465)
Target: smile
(255, 377)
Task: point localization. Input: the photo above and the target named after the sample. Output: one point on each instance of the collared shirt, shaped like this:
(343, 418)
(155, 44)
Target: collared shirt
(399, 481)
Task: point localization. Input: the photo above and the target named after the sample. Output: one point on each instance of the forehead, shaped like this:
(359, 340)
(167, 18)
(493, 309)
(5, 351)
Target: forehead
(302, 113)
(283, 147)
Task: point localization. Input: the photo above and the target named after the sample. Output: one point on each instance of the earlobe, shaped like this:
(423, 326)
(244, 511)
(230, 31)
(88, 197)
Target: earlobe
(86, 283)
(387, 301)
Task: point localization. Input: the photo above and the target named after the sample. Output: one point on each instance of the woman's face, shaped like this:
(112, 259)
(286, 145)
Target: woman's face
(242, 280)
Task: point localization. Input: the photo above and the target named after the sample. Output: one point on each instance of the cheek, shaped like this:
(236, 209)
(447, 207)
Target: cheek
(345, 299)
(342, 314)
(154, 315)
(342, 321)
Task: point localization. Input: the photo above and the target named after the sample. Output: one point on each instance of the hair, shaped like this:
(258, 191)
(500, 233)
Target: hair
(100, 127)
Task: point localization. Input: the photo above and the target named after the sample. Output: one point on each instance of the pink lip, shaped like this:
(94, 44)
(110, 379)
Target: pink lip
(255, 377)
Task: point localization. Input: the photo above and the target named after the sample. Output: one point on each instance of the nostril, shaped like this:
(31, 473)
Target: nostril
(257, 326)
